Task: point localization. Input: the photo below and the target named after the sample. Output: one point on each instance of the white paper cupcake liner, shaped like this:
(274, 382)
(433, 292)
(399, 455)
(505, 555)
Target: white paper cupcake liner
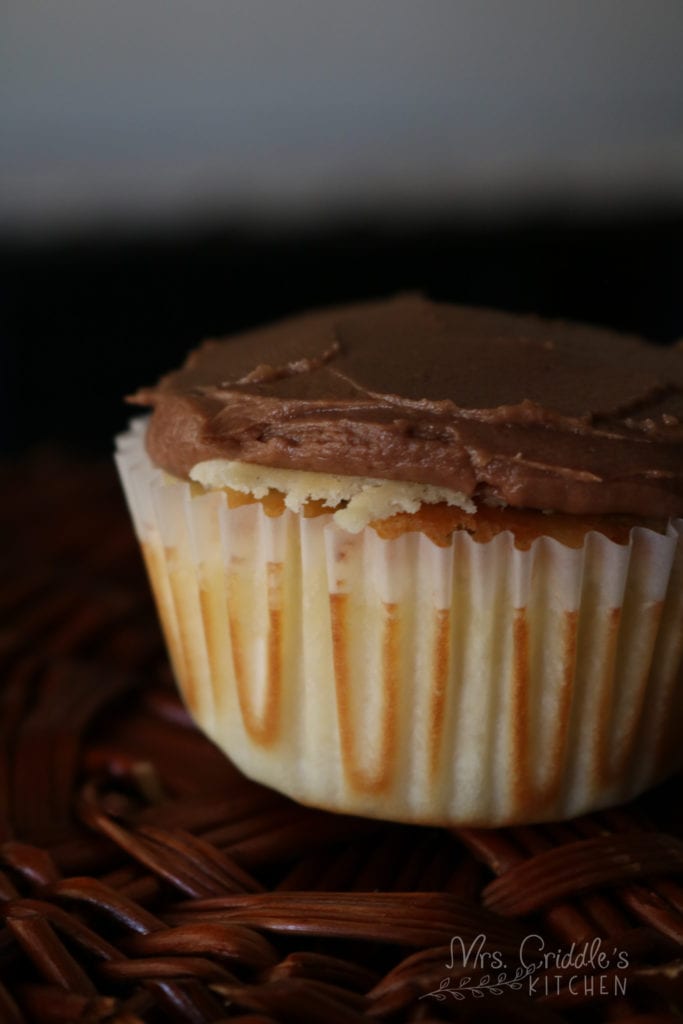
(473, 684)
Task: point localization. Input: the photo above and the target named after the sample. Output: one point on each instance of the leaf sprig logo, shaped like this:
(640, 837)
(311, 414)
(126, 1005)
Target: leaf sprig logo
(582, 969)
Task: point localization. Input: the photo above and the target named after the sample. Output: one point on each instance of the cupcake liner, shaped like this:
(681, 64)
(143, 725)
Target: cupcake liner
(473, 684)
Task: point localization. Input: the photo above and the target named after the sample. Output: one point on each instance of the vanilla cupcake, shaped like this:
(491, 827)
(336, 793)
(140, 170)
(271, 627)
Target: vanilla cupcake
(423, 562)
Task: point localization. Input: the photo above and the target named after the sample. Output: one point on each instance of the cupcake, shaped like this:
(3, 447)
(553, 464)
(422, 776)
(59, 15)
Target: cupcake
(422, 562)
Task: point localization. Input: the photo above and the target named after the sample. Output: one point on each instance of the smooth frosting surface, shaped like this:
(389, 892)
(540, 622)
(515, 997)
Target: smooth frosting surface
(533, 413)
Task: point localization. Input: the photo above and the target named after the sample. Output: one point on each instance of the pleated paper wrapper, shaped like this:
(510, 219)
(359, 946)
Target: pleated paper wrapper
(471, 684)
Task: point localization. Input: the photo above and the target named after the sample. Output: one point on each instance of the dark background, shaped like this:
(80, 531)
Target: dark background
(87, 320)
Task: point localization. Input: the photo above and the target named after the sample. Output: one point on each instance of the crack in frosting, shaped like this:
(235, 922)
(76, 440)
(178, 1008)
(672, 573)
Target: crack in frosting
(354, 501)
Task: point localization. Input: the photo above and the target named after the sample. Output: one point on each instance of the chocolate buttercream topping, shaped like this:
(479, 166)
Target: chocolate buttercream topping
(529, 412)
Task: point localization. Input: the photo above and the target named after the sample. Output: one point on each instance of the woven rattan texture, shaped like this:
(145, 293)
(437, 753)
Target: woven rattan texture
(142, 878)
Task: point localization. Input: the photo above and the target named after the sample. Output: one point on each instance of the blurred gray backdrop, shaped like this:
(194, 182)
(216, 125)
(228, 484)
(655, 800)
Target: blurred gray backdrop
(118, 111)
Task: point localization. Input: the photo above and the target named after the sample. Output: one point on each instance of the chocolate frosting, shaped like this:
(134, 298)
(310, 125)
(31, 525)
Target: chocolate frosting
(529, 412)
